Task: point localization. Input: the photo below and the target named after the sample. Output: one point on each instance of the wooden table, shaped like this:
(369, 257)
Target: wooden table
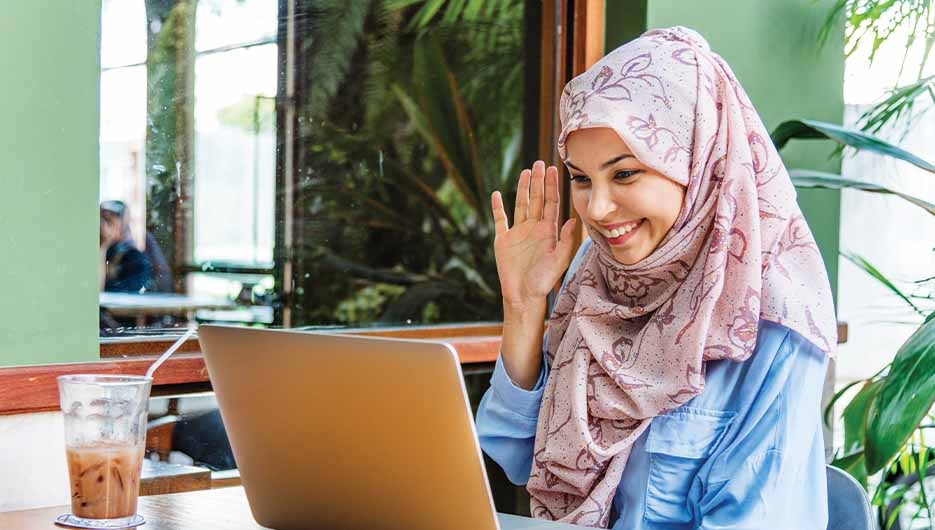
(219, 509)
(156, 304)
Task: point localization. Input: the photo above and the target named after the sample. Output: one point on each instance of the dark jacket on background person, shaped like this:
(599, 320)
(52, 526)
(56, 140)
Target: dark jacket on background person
(128, 269)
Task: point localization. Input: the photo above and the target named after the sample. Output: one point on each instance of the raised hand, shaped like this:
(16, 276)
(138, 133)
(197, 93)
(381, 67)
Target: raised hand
(531, 257)
(531, 254)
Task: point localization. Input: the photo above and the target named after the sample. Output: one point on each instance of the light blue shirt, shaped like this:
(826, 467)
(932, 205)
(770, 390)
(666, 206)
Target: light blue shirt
(747, 453)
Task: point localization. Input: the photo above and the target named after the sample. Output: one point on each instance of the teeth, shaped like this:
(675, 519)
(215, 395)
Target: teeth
(617, 232)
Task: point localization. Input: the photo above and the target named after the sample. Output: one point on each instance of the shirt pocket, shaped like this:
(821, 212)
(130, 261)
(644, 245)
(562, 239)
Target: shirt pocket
(678, 444)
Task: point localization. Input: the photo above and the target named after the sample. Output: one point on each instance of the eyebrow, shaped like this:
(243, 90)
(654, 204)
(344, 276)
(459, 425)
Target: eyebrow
(605, 165)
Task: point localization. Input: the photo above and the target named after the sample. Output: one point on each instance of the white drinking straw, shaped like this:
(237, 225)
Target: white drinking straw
(170, 351)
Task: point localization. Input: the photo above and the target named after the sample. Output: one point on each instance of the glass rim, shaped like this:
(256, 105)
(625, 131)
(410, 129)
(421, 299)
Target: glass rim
(104, 379)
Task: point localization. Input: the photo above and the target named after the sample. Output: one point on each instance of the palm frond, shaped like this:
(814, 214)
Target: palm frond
(439, 113)
(455, 11)
(867, 267)
(807, 178)
(817, 130)
(335, 31)
(899, 104)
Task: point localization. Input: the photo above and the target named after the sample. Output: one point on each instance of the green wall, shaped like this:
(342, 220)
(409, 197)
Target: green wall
(624, 20)
(50, 64)
(772, 46)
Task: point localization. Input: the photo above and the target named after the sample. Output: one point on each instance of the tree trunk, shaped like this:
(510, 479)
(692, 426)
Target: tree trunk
(170, 69)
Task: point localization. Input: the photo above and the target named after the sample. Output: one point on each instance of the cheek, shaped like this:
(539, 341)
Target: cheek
(660, 202)
(579, 201)
(668, 205)
(675, 203)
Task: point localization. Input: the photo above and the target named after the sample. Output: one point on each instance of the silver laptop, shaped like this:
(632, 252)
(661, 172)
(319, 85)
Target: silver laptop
(333, 431)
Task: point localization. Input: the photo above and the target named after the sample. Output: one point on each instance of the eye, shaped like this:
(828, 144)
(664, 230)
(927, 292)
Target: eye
(580, 179)
(626, 176)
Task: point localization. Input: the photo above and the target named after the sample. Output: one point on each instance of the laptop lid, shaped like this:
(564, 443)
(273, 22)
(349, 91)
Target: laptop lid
(333, 431)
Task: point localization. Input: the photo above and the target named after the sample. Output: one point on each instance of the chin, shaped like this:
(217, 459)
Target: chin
(629, 258)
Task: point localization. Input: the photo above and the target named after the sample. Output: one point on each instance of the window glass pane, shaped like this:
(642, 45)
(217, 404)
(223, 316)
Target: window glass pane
(231, 22)
(406, 125)
(123, 138)
(336, 173)
(123, 35)
(235, 156)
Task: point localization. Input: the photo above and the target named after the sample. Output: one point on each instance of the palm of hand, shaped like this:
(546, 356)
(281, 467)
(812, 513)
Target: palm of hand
(529, 247)
(531, 255)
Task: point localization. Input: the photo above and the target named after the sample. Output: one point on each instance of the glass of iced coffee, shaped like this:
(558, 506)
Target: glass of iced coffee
(105, 435)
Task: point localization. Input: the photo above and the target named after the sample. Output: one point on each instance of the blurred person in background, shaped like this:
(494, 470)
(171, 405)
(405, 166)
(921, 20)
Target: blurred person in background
(124, 268)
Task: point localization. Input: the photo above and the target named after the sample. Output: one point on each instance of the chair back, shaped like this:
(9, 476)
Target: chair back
(848, 506)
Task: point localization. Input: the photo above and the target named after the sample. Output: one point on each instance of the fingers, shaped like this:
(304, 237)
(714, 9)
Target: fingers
(537, 195)
(522, 197)
(536, 191)
(565, 250)
(551, 196)
(499, 216)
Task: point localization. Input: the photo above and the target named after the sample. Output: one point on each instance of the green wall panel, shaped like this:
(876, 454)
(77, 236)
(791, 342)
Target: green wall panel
(50, 64)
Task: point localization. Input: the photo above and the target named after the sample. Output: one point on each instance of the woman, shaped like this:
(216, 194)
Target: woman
(680, 380)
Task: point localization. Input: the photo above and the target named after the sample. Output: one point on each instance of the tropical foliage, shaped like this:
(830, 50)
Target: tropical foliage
(412, 117)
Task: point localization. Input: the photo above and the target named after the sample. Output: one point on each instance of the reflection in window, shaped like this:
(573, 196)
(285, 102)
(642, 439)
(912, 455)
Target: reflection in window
(332, 167)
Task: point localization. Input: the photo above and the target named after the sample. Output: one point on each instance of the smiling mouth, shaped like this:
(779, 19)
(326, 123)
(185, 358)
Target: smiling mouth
(618, 234)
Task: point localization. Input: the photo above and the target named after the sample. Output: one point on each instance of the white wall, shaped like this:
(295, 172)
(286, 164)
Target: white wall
(33, 472)
(895, 236)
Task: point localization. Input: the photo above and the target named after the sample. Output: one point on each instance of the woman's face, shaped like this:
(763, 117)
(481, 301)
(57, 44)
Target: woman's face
(633, 206)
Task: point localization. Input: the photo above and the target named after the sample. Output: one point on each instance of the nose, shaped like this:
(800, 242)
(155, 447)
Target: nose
(600, 203)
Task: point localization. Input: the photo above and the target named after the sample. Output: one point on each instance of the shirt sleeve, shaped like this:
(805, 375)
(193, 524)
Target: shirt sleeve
(771, 472)
(507, 416)
(506, 423)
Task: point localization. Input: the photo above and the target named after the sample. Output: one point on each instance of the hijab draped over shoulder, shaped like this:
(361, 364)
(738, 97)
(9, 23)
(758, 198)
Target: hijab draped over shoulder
(629, 342)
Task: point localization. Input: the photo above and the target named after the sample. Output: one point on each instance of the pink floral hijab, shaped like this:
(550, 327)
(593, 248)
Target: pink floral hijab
(629, 342)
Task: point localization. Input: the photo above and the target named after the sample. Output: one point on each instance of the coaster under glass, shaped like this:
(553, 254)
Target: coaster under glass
(74, 521)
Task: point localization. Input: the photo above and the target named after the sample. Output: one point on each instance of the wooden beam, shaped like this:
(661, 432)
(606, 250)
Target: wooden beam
(553, 75)
(588, 34)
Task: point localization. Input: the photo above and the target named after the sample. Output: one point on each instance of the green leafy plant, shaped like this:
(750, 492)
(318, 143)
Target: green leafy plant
(400, 159)
(878, 21)
(885, 420)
